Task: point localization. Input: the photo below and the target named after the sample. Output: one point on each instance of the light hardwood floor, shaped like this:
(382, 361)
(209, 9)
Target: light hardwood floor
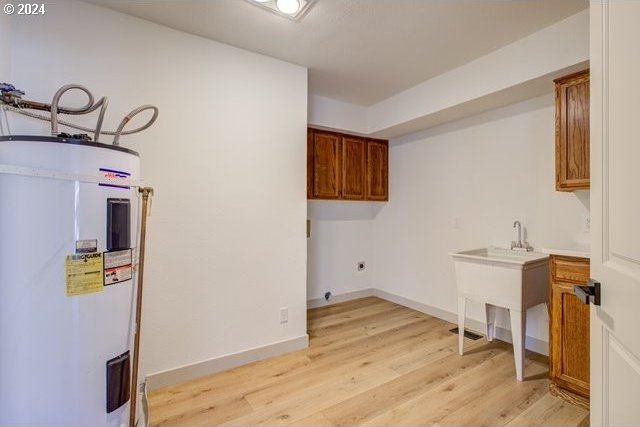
(372, 362)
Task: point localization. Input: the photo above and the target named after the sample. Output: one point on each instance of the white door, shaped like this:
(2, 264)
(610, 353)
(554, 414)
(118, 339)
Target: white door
(615, 211)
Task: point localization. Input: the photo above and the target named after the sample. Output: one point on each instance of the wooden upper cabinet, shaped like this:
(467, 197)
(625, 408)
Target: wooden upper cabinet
(309, 163)
(377, 170)
(572, 132)
(327, 165)
(569, 330)
(354, 167)
(346, 167)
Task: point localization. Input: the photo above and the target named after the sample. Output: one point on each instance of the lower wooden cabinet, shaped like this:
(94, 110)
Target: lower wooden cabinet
(346, 167)
(568, 330)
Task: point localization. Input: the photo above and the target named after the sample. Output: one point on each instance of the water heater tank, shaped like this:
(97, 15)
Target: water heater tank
(68, 233)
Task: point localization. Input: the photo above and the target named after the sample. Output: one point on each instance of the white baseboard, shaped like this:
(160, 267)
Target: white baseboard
(531, 343)
(225, 362)
(336, 299)
(418, 306)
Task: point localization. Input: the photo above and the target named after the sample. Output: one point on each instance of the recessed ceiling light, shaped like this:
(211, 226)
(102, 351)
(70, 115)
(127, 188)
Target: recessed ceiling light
(292, 9)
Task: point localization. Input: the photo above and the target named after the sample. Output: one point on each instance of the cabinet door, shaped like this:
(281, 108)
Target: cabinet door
(327, 165)
(377, 170)
(354, 161)
(309, 164)
(570, 336)
(569, 326)
(572, 132)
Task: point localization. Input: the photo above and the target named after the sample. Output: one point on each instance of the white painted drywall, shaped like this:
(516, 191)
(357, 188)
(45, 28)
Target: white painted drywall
(338, 115)
(340, 238)
(487, 171)
(227, 245)
(5, 46)
(550, 50)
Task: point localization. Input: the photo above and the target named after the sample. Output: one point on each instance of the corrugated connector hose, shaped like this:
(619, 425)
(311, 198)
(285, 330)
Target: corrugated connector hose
(90, 107)
(12, 101)
(128, 117)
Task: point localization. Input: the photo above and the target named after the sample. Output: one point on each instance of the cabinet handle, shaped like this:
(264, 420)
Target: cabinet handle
(590, 293)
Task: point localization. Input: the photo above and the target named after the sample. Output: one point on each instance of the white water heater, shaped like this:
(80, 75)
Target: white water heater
(68, 238)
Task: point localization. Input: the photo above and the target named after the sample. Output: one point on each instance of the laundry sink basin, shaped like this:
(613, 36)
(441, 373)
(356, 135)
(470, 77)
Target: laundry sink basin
(516, 280)
(501, 257)
(502, 277)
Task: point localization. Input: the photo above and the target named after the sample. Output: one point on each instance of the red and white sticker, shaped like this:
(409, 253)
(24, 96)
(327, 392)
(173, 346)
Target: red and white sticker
(118, 266)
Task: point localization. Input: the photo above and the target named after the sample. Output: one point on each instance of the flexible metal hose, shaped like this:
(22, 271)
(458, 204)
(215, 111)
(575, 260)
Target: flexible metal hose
(78, 127)
(90, 107)
(55, 108)
(103, 110)
(128, 117)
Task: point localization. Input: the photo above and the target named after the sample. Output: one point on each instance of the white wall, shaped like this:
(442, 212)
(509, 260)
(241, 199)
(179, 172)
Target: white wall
(488, 171)
(340, 238)
(333, 114)
(226, 157)
(5, 47)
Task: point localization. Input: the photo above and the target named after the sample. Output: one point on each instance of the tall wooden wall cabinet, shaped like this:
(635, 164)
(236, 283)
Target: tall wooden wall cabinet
(346, 167)
(572, 132)
(568, 330)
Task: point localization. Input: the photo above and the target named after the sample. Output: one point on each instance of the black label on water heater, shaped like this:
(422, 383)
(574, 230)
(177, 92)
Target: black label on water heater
(118, 373)
(118, 224)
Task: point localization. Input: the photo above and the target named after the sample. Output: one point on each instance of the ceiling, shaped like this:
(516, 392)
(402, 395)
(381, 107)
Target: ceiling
(361, 51)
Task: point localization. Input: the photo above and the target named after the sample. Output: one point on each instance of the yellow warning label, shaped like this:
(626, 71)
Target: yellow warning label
(84, 274)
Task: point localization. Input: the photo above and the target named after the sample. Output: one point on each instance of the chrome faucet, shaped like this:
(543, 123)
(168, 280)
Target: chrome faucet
(520, 245)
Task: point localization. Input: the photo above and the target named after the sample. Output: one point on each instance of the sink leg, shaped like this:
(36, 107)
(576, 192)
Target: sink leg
(518, 335)
(462, 303)
(491, 321)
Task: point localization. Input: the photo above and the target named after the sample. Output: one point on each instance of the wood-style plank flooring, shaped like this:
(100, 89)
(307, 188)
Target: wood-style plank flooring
(372, 362)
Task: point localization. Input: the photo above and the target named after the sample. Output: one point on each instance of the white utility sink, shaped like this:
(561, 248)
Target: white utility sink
(516, 280)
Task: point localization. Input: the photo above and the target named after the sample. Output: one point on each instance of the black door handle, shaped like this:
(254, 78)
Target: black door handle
(590, 293)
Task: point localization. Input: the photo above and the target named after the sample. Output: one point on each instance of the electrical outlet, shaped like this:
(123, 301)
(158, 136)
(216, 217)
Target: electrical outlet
(361, 265)
(284, 315)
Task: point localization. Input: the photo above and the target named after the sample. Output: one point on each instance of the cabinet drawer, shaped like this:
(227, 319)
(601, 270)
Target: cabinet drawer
(570, 269)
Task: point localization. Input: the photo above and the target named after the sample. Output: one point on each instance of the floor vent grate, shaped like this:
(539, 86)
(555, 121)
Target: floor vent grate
(467, 334)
